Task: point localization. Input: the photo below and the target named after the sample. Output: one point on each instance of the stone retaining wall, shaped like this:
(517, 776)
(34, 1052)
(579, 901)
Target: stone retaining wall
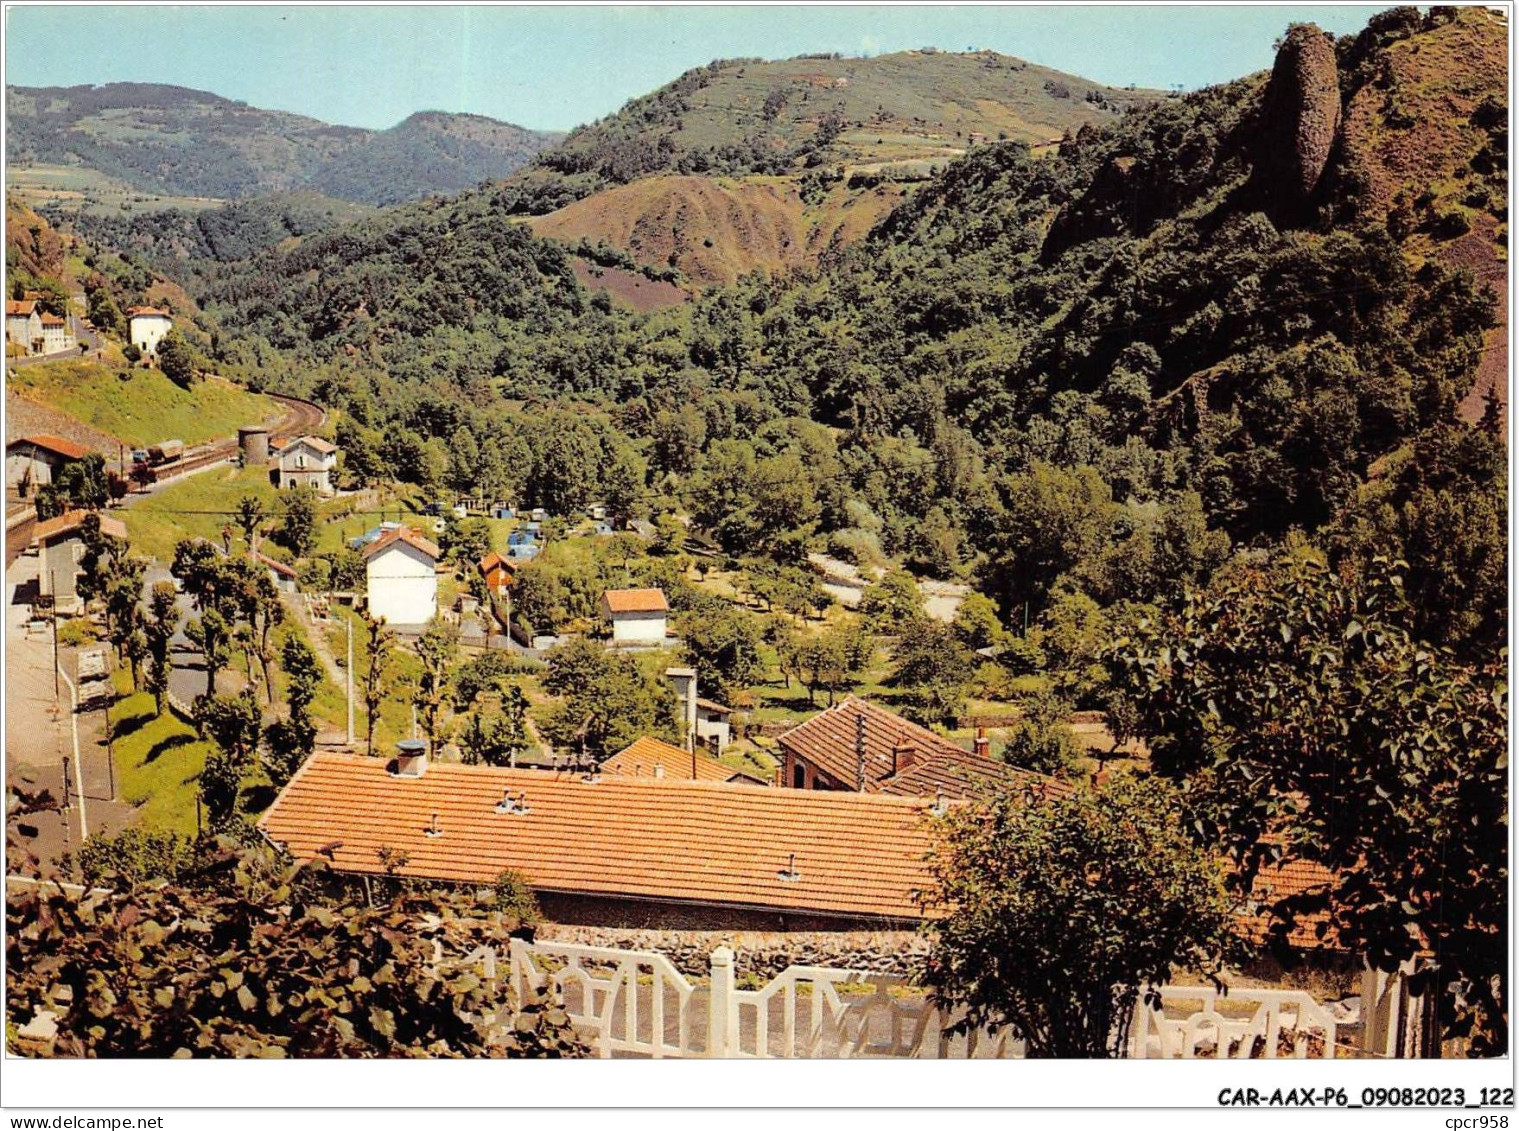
(757, 954)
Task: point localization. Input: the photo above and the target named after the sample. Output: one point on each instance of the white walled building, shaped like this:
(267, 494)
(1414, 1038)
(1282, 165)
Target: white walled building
(401, 572)
(638, 616)
(23, 327)
(56, 337)
(307, 462)
(146, 327)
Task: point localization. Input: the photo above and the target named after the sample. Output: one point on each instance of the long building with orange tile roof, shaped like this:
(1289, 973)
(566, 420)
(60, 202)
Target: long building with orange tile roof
(619, 848)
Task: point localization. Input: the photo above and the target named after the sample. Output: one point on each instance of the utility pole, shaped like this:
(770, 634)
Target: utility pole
(53, 586)
(350, 679)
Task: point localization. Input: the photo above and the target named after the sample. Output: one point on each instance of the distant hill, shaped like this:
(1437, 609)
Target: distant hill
(175, 141)
(808, 153)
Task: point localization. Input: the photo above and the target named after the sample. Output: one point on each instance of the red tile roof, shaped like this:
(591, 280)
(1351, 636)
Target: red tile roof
(635, 601)
(20, 309)
(493, 561)
(640, 758)
(1275, 882)
(897, 754)
(57, 445)
(965, 776)
(402, 534)
(705, 843)
(146, 312)
(53, 320)
(70, 521)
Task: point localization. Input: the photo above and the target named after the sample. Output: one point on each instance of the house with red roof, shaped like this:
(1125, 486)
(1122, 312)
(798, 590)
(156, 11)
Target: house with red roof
(32, 461)
(23, 328)
(864, 748)
(498, 572)
(146, 327)
(638, 616)
(401, 572)
(308, 461)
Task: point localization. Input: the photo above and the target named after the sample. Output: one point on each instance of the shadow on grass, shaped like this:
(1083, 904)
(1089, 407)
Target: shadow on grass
(130, 724)
(164, 745)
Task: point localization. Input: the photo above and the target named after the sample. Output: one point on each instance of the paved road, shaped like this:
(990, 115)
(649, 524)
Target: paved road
(38, 733)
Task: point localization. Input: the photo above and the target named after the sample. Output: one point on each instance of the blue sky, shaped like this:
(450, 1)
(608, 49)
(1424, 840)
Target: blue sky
(556, 67)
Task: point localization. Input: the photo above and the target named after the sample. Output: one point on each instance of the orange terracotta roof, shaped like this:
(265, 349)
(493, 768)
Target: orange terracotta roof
(705, 843)
(714, 706)
(965, 776)
(53, 320)
(146, 312)
(70, 521)
(635, 601)
(57, 445)
(402, 534)
(640, 758)
(493, 561)
(1275, 882)
(20, 309)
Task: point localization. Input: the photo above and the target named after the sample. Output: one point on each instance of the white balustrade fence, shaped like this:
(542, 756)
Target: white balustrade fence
(1226, 1026)
(636, 1003)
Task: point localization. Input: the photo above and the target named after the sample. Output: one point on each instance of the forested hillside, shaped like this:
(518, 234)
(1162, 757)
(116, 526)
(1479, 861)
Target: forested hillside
(1080, 380)
(175, 141)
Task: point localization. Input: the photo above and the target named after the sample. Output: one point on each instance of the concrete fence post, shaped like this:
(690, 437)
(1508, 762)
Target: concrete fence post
(722, 1007)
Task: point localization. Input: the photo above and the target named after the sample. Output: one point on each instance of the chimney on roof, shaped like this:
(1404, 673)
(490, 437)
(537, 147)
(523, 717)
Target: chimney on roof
(859, 751)
(411, 758)
(903, 757)
(983, 744)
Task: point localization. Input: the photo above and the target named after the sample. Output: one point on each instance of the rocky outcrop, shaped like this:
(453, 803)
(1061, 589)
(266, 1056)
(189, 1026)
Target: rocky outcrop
(1300, 119)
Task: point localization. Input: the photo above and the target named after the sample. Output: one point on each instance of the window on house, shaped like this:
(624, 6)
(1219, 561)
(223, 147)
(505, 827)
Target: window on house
(799, 776)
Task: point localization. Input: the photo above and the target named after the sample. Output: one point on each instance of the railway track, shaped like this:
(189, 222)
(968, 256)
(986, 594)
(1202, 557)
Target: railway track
(301, 417)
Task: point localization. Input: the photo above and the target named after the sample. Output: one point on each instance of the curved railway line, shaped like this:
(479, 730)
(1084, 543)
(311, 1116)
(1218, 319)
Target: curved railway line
(301, 417)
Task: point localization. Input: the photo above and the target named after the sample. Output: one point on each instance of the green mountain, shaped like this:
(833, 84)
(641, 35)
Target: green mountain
(1225, 319)
(736, 117)
(179, 142)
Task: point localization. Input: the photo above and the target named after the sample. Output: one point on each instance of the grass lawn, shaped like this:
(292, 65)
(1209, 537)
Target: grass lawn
(394, 721)
(147, 407)
(156, 522)
(158, 764)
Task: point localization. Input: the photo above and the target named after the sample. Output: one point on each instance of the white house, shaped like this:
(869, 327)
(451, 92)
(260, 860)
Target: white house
(55, 334)
(712, 724)
(146, 327)
(307, 462)
(401, 569)
(23, 327)
(638, 616)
